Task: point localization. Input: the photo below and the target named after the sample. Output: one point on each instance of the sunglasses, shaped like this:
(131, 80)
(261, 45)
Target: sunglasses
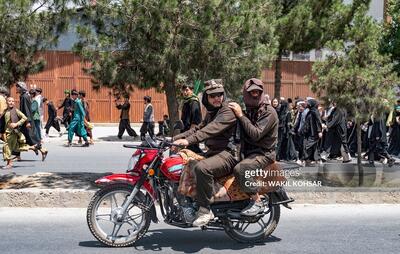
(213, 95)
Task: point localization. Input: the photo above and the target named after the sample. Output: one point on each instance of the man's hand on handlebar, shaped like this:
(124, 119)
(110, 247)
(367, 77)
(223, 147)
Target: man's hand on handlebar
(179, 142)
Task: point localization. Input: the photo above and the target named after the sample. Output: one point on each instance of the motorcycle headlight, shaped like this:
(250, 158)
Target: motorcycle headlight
(133, 160)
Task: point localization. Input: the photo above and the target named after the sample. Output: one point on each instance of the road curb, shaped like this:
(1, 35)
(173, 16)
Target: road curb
(45, 198)
(353, 197)
(80, 198)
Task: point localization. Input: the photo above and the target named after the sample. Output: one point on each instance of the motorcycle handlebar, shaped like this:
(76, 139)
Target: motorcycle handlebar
(162, 145)
(137, 147)
(168, 139)
(168, 142)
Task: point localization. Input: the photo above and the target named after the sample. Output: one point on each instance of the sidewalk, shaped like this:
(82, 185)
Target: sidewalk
(101, 132)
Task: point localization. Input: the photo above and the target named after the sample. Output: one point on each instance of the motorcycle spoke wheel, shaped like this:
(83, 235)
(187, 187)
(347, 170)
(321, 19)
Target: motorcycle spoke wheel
(253, 230)
(104, 218)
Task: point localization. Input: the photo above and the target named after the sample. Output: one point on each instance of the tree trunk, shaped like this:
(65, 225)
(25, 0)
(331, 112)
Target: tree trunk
(172, 102)
(359, 165)
(278, 75)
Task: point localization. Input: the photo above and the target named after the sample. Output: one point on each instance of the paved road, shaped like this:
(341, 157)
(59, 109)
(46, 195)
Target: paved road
(306, 229)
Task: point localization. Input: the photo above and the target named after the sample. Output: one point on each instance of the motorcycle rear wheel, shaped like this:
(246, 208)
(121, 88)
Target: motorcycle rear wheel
(102, 216)
(243, 230)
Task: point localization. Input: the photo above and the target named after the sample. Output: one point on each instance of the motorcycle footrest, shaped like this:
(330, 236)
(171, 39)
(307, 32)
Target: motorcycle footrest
(210, 226)
(284, 202)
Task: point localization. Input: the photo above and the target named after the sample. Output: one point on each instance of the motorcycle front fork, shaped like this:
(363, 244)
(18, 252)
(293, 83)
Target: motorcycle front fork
(128, 201)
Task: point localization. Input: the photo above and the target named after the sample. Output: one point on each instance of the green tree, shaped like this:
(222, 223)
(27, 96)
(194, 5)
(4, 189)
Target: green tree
(355, 75)
(391, 40)
(26, 27)
(304, 25)
(146, 43)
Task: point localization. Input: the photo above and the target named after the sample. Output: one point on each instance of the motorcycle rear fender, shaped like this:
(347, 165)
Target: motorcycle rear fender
(126, 178)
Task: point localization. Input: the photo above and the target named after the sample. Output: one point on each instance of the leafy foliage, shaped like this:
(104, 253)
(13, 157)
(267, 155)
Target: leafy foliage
(355, 75)
(26, 27)
(152, 42)
(391, 40)
(304, 25)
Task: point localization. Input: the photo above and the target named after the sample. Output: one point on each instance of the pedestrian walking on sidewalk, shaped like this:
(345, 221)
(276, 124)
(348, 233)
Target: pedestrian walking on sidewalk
(312, 132)
(88, 125)
(14, 139)
(336, 126)
(148, 119)
(4, 93)
(35, 113)
(77, 124)
(67, 105)
(52, 120)
(28, 129)
(39, 99)
(377, 141)
(124, 123)
(394, 124)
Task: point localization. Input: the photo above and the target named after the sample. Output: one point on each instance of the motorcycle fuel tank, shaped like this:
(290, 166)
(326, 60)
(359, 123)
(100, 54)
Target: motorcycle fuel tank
(172, 167)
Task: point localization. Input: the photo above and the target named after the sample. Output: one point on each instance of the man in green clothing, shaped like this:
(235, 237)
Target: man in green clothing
(35, 113)
(14, 139)
(78, 121)
(191, 113)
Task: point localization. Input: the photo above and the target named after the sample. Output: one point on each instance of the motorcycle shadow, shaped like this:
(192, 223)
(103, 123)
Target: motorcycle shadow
(187, 241)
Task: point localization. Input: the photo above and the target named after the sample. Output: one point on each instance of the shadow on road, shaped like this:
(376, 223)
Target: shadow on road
(116, 139)
(92, 244)
(78, 180)
(186, 241)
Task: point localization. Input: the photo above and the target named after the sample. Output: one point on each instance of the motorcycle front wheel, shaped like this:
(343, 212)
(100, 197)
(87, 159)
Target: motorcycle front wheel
(103, 211)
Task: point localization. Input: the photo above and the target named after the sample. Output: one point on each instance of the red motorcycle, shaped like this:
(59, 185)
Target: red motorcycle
(120, 212)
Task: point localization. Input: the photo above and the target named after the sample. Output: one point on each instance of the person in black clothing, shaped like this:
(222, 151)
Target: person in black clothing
(191, 113)
(312, 132)
(68, 105)
(124, 123)
(394, 123)
(28, 129)
(285, 148)
(52, 120)
(322, 141)
(377, 141)
(336, 142)
(4, 93)
(298, 138)
(163, 126)
(352, 137)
